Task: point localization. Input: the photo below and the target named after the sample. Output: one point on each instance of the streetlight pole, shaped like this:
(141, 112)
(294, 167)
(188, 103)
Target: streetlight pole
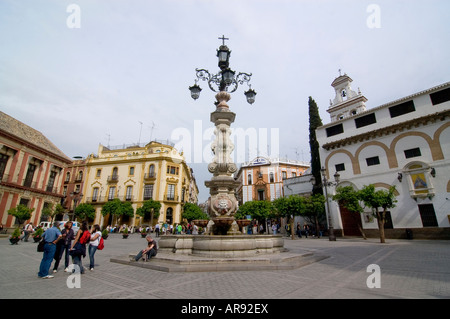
(325, 183)
(222, 203)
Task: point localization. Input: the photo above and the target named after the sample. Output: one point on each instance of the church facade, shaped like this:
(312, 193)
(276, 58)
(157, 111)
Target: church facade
(404, 143)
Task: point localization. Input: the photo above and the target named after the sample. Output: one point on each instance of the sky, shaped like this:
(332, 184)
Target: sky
(117, 72)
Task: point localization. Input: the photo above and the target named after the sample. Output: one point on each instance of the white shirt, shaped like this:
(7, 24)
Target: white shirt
(96, 241)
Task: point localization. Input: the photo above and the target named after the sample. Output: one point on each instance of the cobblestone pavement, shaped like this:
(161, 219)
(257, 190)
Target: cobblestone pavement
(408, 269)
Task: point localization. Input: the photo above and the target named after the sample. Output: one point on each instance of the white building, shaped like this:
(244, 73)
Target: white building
(405, 143)
(262, 178)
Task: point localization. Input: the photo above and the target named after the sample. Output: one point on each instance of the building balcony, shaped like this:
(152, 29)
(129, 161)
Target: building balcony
(113, 178)
(149, 176)
(172, 198)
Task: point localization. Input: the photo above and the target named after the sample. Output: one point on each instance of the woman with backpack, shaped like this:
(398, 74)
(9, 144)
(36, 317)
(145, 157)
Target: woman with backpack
(95, 240)
(78, 248)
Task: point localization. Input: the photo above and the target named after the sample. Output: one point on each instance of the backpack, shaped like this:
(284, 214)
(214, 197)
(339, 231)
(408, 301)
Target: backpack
(85, 237)
(101, 244)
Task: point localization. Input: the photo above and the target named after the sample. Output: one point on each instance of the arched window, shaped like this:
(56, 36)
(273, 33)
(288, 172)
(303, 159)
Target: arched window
(151, 170)
(249, 177)
(271, 178)
(169, 215)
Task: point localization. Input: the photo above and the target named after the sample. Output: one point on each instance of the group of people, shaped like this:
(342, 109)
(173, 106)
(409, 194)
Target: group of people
(307, 230)
(59, 242)
(255, 228)
(178, 229)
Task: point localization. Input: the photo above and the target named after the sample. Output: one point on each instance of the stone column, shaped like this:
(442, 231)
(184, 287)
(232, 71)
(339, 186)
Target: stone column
(223, 203)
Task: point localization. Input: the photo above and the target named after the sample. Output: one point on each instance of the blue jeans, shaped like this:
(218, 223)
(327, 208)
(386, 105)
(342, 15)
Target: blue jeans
(92, 250)
(47, 258)
(77, 261)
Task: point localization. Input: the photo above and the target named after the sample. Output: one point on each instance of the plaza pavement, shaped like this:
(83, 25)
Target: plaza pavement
(408, 269)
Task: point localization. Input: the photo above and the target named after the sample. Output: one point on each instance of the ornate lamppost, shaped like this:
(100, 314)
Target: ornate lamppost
(223, 203)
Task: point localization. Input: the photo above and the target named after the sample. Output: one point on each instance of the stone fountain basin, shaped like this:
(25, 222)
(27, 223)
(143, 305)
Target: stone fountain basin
(221, 246)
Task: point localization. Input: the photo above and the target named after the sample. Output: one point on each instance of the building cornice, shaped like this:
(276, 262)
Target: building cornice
(35, 147)
(439, 116)
(386, 105)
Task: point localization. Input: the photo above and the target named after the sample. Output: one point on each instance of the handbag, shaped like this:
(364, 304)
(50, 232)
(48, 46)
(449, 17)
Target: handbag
(78, 250)
(40, 246)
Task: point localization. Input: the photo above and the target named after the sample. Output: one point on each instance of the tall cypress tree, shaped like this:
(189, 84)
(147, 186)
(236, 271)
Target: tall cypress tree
(314, 122)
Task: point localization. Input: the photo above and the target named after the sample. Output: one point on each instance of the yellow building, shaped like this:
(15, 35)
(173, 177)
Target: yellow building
(134, 173)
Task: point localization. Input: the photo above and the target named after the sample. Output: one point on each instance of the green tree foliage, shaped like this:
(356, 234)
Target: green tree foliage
(51, 211)
(85, 211)
(290, 207)
(149, 210)
(314, 123)
(379, 201)
(21, 212)
(118, 208)
(126, 209)
(259, 210)
(192, 211)
(315, 210)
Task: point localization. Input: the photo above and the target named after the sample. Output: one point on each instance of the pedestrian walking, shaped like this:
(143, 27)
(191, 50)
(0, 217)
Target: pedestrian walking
(67, 236)
(299, 230)
(157, 230)
(306, 230)
(78, 247)
(28, 229)
(93, 245)
(51, 237)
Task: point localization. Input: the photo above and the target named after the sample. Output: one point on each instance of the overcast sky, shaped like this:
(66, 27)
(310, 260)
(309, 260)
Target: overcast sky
(92, 73)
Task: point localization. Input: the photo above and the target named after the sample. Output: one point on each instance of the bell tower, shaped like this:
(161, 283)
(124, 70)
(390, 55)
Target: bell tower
(347, 102)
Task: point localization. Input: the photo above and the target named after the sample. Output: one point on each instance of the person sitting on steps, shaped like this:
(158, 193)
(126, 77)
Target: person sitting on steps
(148, 252)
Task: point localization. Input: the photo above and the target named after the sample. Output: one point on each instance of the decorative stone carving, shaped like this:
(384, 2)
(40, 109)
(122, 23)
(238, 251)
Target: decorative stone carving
(223, 203)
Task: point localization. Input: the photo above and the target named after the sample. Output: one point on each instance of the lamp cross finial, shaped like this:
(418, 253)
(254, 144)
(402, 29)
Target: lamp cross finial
(223, 39)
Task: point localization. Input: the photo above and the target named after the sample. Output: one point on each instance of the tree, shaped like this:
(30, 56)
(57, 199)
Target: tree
(349, 198)
(193, 211)
(258, 209)
(126, 209)
(315, 210)
(314, 123)
(21, 212)
(149, 210)
(375, 200)
(48, 210)
(118, 208)
(85, 212)
(290, 207)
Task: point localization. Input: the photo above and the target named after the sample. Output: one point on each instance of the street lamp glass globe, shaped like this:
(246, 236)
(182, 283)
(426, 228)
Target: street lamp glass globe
(250, 94)
(223, 53)
(228, 76)
(195, 91)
